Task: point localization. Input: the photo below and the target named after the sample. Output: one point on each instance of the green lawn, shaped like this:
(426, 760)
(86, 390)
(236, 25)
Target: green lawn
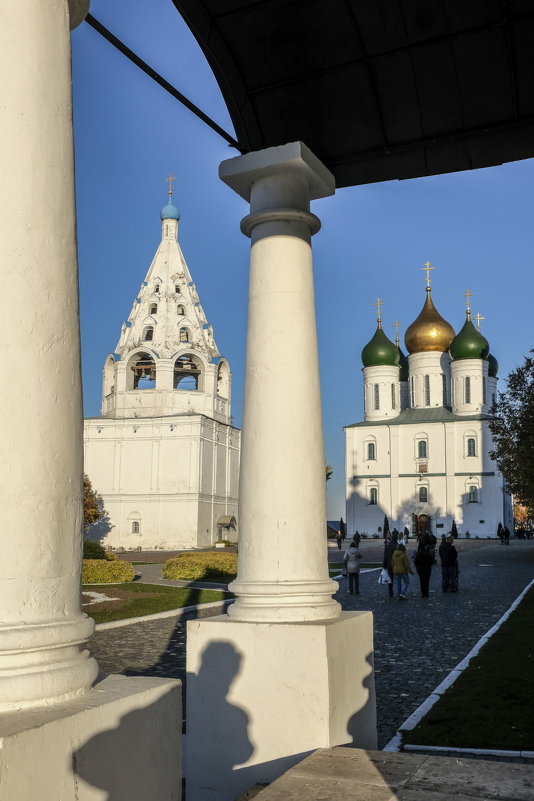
(491, 704)
(135, 600)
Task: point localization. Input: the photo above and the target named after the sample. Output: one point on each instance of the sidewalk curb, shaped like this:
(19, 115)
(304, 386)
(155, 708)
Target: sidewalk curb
(395, 744)
(448, 751)
(115, 624)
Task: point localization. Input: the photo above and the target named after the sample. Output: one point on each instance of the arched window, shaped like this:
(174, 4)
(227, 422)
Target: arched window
(412, 392)
(467, 390)
(156, 288)
(471, 446)
(427, 390)
(484, 389)
(148, 334)
(187, 373)
(153, 308)
(422, 450)
(142, 372)
(371, 450)
(177, 289)
(184, 335)
(377, 396)
(393, 397)
(423, 494)
(373, 496)
(473, 494)
(444, 385)
(180, 311)
(223, 380)
(135, 527)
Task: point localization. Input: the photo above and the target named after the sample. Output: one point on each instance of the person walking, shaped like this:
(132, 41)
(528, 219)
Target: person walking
(342, 529)
(506, 535)
(339, 539)
(401, 571)
(352, 559)
(424, 559)
(449, 565)
(390, 544)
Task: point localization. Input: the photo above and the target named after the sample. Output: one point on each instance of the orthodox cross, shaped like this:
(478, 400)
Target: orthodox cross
(379, 302)
(468, 295)
(426, 269)
(396, 327)
(170, 180)
(478, 318)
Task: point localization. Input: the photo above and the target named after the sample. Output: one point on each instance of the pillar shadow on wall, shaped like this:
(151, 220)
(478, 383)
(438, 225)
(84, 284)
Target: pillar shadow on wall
(120, 761)
(365, 718)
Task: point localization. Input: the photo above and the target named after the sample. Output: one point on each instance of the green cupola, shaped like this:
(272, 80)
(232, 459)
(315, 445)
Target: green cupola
(493, 366)
(404, 371)
(380, 350)
(469, 343)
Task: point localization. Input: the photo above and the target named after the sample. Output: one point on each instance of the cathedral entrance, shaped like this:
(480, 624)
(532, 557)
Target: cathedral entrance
(422, 525)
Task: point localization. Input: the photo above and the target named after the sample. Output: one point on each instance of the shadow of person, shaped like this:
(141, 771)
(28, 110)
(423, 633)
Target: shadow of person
(362, 724)
(138, 759)
(214, 755)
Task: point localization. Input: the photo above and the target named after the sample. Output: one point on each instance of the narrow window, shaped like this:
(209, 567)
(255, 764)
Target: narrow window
(180, 311)
(473, 494)
(393, 399)
(412, 391)
(377, 397)
(422, 449)
(427, 390)
(484, 389)
(365, 400)
(149, 334)
(373, 496)
(166, 230)
(471, 447)
(371, 453)
(452, 393)
(177, 289)
(467, 398)
(135, 527)
(423, 494)
(153, 308)
(184, 335)
(156, 288)
(444, 382)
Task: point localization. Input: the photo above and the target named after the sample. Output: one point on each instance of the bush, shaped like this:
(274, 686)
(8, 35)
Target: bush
(93, 550)
(100, 571)
(194, 566)
(111, 557)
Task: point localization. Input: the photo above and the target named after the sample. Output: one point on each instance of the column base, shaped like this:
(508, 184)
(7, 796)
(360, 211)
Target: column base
(261, 696)
(45, 663)
(121, 740)
(284, 602)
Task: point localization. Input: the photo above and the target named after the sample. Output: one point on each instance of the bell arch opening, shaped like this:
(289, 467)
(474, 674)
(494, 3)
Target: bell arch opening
(142, 372)
(223, 380)
(188, 373)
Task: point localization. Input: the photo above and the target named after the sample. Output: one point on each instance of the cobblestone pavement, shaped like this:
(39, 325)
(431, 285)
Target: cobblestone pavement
(417, 642)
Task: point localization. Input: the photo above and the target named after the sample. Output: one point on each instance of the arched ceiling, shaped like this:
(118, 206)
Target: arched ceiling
(378, 89)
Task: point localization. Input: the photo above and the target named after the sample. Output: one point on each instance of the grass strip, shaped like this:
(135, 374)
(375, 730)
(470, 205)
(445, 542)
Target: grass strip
(135, 600)
(491, 704)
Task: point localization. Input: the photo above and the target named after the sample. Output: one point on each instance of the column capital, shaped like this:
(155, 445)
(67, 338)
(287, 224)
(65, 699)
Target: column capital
(78, 10)
(294, 158)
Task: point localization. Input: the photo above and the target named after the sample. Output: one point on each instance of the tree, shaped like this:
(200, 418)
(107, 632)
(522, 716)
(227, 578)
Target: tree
(513, 433)
(454, 530)
(386, 526)
(521, 515)
(93, 506)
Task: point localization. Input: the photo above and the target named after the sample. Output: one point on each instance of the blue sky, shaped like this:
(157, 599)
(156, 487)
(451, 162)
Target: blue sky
(475, 227)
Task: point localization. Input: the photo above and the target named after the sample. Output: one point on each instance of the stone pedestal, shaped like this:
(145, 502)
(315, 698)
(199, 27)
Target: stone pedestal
(120, 741)
(262, 696)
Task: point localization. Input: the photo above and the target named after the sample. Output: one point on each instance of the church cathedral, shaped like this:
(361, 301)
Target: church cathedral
(421, 454)
(164, 454)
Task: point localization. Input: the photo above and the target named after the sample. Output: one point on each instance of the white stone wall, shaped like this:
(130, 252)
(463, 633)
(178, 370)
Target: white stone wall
(386, 378)
(434, 365)
(174, 476)
(476, 370)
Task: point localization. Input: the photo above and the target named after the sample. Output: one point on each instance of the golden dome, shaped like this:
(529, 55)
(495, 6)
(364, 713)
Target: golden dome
(429, 331)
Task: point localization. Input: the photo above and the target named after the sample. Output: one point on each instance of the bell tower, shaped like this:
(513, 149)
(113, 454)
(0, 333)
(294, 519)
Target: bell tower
(166, 361)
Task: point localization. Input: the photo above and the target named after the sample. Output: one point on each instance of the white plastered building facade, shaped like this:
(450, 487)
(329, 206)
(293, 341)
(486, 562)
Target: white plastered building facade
(164, 455)
(421, 454)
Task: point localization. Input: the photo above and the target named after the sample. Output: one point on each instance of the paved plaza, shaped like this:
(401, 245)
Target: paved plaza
(417, 642)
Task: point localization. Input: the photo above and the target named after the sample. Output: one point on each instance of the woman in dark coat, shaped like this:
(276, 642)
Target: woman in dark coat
(424, 559)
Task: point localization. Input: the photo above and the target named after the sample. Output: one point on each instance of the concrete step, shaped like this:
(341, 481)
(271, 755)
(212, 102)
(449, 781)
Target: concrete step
(339, 774)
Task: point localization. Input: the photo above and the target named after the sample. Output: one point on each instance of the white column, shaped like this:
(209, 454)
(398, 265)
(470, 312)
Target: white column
(282, 571)
(42, 627)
